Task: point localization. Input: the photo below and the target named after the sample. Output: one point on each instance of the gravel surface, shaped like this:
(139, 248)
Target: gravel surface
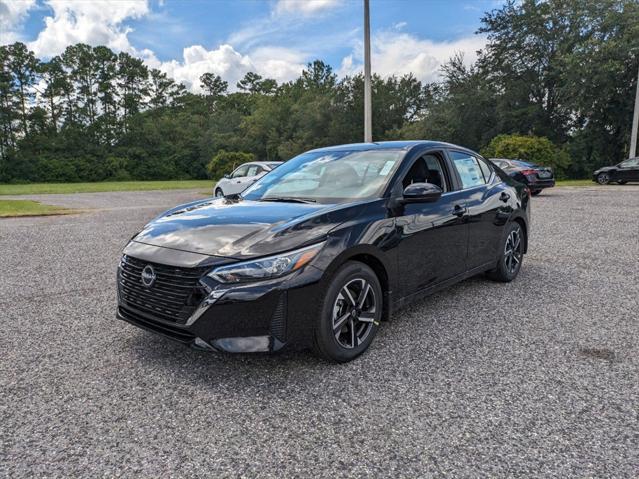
(539, 377)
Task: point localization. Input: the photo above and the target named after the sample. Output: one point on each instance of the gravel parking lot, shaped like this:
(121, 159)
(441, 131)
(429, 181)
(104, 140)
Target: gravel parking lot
(537, 377)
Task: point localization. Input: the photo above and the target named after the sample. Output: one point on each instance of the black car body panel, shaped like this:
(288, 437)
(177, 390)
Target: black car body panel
(241, 229)
(414, 249)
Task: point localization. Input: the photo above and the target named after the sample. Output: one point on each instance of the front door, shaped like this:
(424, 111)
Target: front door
(433, 236)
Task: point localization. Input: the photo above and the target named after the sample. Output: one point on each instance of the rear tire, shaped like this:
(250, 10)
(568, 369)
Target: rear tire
(350, 313)
(535, 193)
(512, 255)
(219, 193)
(622, 182)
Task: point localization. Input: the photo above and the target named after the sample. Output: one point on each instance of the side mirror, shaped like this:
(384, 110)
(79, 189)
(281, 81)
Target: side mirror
(227, 176)
(421, 193)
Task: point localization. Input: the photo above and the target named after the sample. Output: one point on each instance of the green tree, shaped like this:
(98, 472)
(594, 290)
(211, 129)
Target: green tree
(22, 67)
(254, 83)
(226, 161)
(533, 149)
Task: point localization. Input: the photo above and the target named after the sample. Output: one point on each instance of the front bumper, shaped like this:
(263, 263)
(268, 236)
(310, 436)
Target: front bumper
(263, 316)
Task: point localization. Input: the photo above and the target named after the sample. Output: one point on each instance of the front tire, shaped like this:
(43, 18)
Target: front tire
(512, 255)
(350, 313)
(603, 178)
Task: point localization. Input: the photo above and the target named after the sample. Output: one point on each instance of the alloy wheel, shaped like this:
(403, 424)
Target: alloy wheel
(354, 313)
(513, 251)
(603, 178)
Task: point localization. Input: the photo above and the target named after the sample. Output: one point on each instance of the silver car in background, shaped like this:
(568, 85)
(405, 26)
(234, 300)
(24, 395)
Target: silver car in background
(243, 176)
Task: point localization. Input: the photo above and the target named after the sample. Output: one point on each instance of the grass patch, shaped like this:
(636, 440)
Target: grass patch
(12, 208)
(205, 186)
(62, 188)
(573, 183)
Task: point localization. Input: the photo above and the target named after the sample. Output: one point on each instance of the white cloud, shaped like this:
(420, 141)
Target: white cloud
(304, 7)
(279, 63)
(105, 22)
(394, 53)
(12, 14)
(95, 22)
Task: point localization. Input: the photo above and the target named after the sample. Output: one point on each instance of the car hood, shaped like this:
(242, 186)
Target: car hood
(244, 229)
(606, 168)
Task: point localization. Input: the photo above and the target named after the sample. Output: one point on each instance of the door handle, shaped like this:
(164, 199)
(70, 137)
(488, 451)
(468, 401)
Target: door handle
(459, 211)
(504, 196)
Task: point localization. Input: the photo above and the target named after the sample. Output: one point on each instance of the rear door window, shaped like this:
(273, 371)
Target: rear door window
(468, 168)
(253, 170)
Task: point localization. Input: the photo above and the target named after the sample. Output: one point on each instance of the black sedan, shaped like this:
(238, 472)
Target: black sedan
(622, 173)
(536, 177)
(320, 251)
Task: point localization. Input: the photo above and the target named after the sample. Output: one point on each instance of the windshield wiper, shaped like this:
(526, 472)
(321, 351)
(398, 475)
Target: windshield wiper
(288, 199)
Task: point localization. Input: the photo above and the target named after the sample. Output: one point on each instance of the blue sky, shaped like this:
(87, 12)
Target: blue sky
(185, 38)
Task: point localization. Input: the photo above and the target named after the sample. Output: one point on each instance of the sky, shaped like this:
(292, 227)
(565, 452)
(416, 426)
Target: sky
(275, 38)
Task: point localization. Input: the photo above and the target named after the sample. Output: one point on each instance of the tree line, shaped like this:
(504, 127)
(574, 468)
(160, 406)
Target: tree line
(562, 70)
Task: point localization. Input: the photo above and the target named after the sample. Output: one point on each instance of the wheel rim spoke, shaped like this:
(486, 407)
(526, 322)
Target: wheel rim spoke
(353, 333)
(366, 287)
(348, 295)
(337, 325)
(367, 317)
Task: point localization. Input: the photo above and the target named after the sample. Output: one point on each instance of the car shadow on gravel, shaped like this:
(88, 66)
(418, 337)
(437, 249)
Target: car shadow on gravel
(394, 344)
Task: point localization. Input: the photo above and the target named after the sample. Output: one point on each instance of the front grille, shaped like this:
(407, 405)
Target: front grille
(172, 297)
(173, 332)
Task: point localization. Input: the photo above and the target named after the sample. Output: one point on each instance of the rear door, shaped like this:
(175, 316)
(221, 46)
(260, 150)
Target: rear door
(486, 198)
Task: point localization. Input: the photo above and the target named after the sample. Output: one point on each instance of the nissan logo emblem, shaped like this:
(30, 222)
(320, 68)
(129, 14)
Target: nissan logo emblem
(148, 276)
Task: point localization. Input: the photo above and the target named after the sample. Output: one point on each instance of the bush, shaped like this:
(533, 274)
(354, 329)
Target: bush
(534, 149)
(226, 161)
(116, 168)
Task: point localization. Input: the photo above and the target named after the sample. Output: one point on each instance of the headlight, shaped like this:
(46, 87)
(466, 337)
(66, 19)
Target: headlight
(266, 268)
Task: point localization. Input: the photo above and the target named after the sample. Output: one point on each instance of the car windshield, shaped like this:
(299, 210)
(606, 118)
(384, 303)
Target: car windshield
(273, 165)
(629, 163)
(328, 177)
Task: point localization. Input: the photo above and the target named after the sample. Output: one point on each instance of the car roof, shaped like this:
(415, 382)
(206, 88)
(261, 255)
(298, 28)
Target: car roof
(390, 145)
(262, 163)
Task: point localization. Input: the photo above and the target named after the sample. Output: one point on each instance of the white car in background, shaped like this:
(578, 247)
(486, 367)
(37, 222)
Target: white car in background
(243, 176)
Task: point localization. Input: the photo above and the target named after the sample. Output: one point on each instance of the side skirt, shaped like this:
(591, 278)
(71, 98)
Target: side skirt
(411, 298)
